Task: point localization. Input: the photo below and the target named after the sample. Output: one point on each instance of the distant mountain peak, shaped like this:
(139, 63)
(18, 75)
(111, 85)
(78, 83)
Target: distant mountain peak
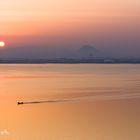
(87, 51)
(88, 48)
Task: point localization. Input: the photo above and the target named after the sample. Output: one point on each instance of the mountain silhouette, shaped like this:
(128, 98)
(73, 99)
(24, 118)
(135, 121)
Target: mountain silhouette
(88, 51)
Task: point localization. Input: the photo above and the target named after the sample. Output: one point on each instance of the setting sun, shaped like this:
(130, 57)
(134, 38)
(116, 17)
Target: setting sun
(2, 44)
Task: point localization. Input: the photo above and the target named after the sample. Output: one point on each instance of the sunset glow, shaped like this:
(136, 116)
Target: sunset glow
(108, 25)
(70, 69)
(2, 44)
(47, 17)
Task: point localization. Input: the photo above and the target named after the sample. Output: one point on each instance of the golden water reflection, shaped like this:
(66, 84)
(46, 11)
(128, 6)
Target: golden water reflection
(86, 119)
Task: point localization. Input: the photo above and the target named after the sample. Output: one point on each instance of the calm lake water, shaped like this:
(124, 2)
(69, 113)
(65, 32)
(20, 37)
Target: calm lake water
(105, 102)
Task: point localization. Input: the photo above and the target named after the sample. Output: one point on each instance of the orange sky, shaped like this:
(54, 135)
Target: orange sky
(109, 24)
(43, 16)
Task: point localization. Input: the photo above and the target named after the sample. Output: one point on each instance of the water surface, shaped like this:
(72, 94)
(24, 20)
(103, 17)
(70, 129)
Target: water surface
(106, 107)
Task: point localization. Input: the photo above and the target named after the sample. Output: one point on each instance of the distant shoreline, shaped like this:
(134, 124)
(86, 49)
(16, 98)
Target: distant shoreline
(70, 61)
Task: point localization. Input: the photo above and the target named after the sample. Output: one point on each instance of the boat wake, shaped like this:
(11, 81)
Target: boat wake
(89, 98)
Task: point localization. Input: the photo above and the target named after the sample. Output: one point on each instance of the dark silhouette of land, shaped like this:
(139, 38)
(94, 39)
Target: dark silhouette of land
(71, 61)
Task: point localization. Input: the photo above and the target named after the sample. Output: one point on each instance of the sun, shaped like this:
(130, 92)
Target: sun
(2, 44)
